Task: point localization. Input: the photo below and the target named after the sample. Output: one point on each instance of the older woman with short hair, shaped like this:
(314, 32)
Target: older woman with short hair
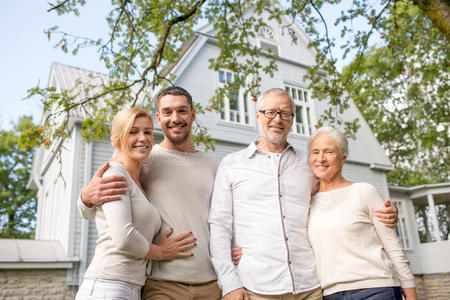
(357, 257)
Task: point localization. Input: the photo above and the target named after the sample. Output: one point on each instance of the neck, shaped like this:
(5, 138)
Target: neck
(267, 146)
(334, 183)
(184, 146)
(132, 166)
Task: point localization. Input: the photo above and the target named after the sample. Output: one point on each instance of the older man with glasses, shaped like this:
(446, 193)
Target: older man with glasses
(261, 200)
(260, 203)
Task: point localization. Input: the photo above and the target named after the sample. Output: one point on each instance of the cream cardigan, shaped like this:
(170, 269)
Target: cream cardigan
(354, 250)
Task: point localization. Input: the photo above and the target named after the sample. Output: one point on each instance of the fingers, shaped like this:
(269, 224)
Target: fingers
(236, 251)
(385, 217)
(184, 254)
(387, 202)
(182, 236)
(236, 259)
(166, 233)
(114, 181)
(187, 247)
(390, 220)
(187, 241)
(101, 170)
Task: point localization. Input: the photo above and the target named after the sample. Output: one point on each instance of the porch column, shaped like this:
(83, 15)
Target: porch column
(434, 219)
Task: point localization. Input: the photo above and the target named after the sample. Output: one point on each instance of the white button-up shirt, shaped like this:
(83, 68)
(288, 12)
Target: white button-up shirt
(260, 203)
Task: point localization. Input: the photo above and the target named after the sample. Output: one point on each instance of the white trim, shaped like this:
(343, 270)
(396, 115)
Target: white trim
(74, 189)
(37, 265)
(436, 231)
(84, 243)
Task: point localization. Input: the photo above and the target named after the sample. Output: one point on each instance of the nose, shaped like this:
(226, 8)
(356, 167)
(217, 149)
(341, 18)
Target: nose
(175, 117)
(321, 156)
(141, 136)
(278, 116)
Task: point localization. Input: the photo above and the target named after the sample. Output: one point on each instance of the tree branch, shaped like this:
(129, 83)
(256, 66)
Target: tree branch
(59, 5)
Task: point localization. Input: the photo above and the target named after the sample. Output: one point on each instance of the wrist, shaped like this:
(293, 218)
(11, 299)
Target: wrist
(154, 252)
(83, 197)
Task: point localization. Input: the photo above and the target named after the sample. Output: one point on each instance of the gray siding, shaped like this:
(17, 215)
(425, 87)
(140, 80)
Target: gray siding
(362, 173)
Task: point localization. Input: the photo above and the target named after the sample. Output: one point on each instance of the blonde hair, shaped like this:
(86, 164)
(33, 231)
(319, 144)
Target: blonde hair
(122, 124)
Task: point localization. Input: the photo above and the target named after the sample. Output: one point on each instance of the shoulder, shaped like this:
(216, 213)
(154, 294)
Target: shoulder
(365, 188)
(235, 157)
(115, 168)
(208, 159)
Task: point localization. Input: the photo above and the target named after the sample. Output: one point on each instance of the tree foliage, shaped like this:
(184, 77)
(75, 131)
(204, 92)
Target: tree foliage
(402, 90)
(17, 203)
(146, 35)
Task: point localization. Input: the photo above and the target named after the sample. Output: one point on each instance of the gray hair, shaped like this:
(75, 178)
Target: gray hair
(336, 135)
(274, 91)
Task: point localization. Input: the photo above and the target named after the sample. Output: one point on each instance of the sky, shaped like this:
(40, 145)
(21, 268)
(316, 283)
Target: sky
(27, 54)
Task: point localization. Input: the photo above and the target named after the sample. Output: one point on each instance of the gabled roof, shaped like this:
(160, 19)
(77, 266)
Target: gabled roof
(65, 77)
(206, 33)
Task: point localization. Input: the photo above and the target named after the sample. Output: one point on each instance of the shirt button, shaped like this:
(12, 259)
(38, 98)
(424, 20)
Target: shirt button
(281, 196)
(290, 262)
(268, 156)
(284, 217)
(287, 239)
(279, 174)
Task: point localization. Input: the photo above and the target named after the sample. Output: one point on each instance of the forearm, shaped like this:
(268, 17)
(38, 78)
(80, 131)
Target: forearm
(410, 293)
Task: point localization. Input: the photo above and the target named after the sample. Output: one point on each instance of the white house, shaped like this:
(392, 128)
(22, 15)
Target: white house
(58, 180)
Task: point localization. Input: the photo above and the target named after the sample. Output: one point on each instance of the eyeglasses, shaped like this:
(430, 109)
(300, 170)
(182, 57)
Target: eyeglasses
(272, 114)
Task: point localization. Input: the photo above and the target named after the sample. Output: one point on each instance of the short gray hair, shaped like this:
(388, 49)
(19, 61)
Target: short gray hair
(275, 91)
(336, 135)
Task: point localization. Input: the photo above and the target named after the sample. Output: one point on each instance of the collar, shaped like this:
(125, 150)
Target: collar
(252, 149)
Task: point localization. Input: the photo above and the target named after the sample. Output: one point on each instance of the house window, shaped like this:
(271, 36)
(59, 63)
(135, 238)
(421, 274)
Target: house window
(267, 40)
(302, 114)
(236, 106)
(401, 228)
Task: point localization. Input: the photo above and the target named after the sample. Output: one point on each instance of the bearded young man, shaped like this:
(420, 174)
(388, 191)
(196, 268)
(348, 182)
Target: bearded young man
(179, 181)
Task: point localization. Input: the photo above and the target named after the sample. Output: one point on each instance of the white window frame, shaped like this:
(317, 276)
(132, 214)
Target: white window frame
(304, 116)
(270, 42)
(241, 115)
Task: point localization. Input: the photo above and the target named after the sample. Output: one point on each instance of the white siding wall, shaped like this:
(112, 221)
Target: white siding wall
(55, 200)
(362, 173)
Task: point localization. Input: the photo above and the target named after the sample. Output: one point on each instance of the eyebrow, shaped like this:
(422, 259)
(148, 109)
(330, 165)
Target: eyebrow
(144, 128)
(177, 107)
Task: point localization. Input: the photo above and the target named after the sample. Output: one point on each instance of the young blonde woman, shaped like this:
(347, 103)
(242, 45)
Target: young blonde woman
(126, 227)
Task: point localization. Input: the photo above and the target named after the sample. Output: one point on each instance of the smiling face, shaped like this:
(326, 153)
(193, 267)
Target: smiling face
(326, 158)
(139, 140)
(175, 116)
(274, 131)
